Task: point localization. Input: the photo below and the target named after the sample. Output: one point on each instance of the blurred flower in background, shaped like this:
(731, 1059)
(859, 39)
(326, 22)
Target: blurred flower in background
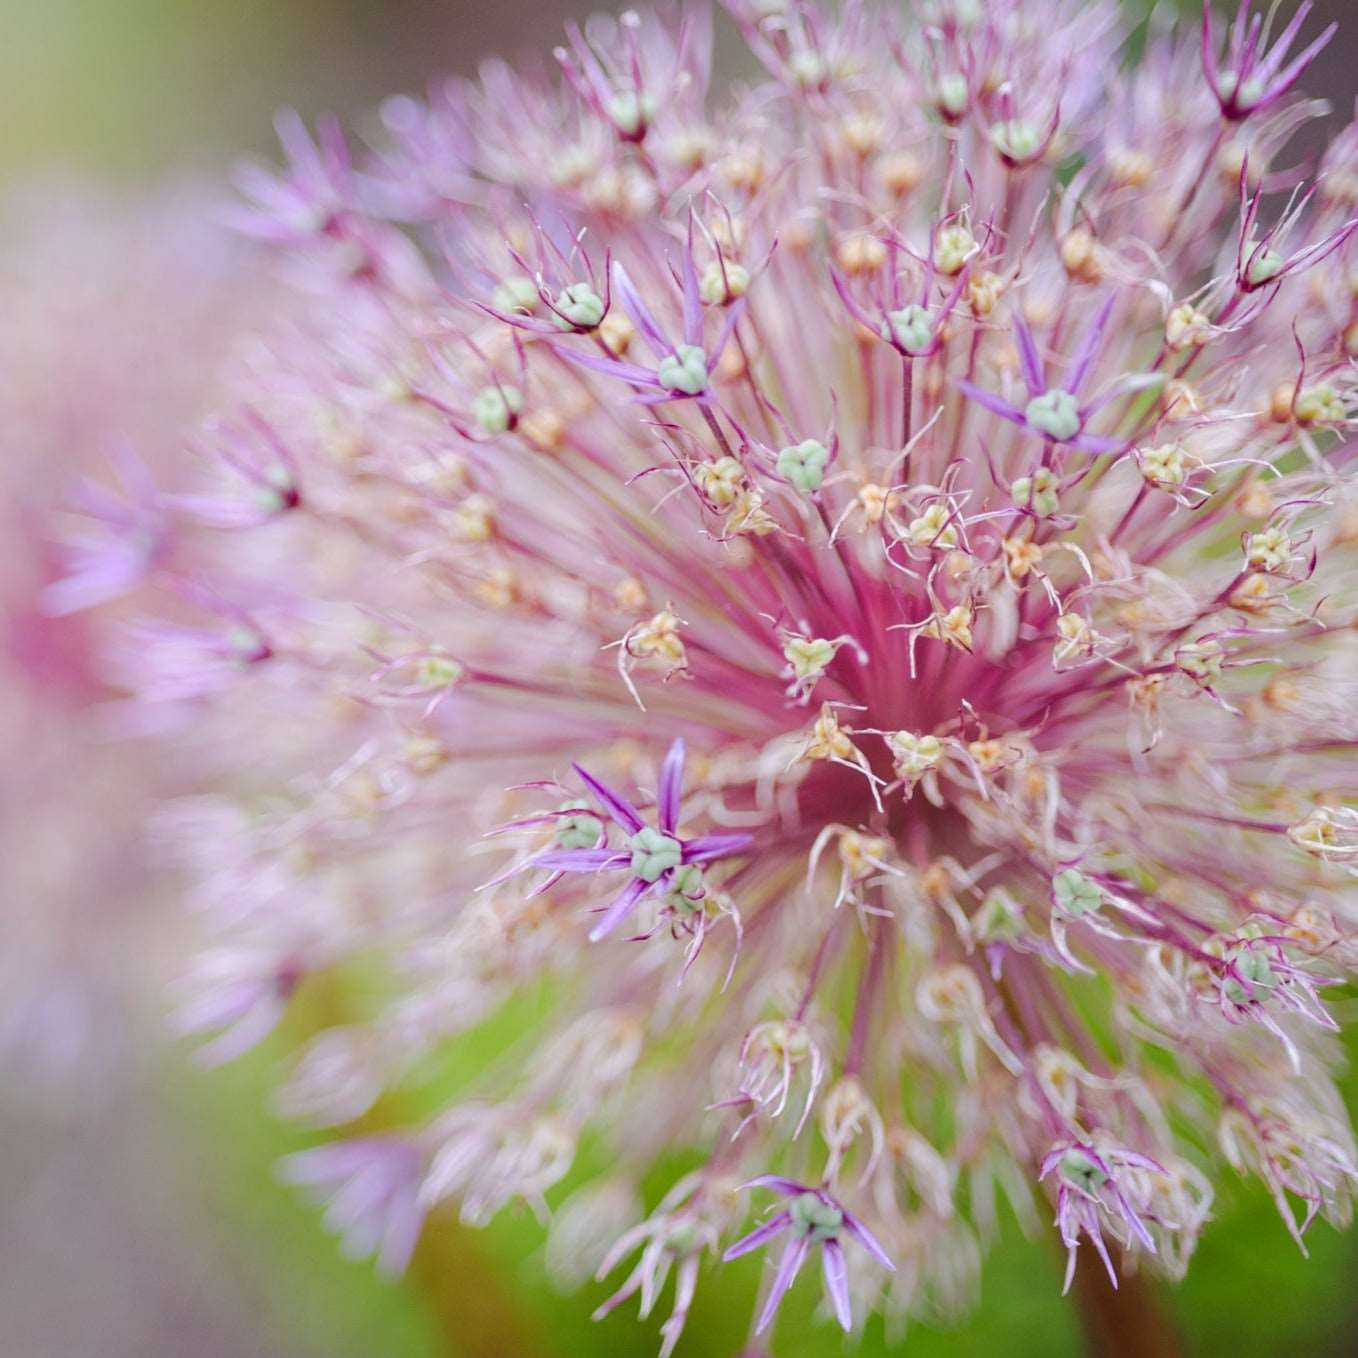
(578, 421)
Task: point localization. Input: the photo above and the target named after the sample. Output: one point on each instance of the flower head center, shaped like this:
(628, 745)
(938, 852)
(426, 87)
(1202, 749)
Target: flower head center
(654, 853)
(1055, 413)
(815, 1218)
(804, 465)
(684, 370)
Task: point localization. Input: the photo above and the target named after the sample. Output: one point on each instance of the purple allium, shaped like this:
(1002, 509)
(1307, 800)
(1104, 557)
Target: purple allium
(811, 1218)
(841, 593)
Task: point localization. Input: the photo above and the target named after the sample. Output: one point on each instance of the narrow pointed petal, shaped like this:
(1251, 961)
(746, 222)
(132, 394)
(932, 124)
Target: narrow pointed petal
(640, 312)
(761, 1235)
(671, 787)
(620, 909)
(1083, 358)
(837, 1282)
(609, 367)
(1030, 361)
(708, 848)
(868, 1241)
(619, 809)
(997, 405)
(580, 860)
(788, 1267)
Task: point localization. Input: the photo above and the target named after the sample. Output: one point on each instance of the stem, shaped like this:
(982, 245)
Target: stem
(907, 399)
(1130, 1321)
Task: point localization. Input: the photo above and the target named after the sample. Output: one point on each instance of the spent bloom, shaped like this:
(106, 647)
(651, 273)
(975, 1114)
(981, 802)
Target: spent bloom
(799, 582)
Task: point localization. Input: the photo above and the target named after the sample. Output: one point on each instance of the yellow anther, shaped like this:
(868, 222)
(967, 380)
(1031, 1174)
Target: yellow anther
(720, 481)
(617, 331)
(900, 173)
(933, 528)
(1084, 259)
(953, 246)
(954, 626)
(1129, 167)
(474, 519)
(1021, 557)
(1165, 466)
(1186, 327)
(860, 253)
(1270, 550)
(984, 290)
(828, 739)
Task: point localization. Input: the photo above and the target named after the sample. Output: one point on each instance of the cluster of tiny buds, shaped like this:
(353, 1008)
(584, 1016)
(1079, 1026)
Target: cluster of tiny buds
(803, 580)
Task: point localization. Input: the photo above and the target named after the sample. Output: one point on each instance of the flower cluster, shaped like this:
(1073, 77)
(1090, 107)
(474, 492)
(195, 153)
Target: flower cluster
(846, 590)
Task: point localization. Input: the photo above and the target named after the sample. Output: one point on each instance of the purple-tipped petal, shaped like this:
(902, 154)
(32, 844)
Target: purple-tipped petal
(708, 848)
(1292, 73)
(761, 1235)
(790, 1187)
(579, 860)
(868, 1241)
(850, 305)
(609, 367)
(837, 1282)
(1030, 361)
(733, 314)
(997, 405)
(1094, 443)
(640, 312)
(1282, 44)
(693, 302)
(788, 1267)
(1083, 358)
(671, 787)
(619, 809)
(620, 909)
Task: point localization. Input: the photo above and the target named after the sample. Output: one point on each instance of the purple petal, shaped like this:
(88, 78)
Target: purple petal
(579, 860)
(1289, 77)
(845, 296)
(693, 305)
(868, 1241)
(1283, 43)
(1083, 358)
(640, 313)
(793, 1258)
(610, 367)
(997, 405)
(707, 848)
(836, 1282)
(1029, 359)
(671, 786)
(1094, 443)
(405, 1220)
(1209, 58)
(760, 1236)
(790, 1187)
(733, 314)
(620, 909)
(619, 809)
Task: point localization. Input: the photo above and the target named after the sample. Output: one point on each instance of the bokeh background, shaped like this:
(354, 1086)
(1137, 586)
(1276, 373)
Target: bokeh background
(139, 1215)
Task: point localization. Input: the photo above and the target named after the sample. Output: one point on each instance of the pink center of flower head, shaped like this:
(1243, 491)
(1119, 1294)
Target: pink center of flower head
(803, 583)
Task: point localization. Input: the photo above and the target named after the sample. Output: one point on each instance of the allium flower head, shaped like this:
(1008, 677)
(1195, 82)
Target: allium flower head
(845, 588)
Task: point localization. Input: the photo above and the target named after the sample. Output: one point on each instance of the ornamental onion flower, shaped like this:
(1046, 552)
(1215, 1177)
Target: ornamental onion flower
(845, 588)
